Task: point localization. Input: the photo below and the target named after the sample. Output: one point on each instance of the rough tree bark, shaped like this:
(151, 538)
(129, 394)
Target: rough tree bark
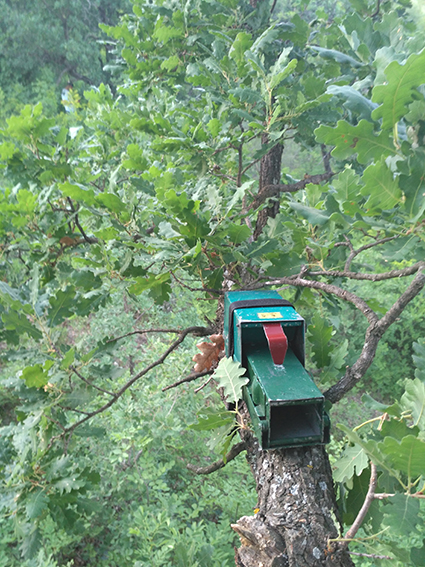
(297, 510)
(270, 174)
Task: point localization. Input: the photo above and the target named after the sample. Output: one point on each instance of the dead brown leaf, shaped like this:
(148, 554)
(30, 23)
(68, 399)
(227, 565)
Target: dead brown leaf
(67, 241)
(210, 353)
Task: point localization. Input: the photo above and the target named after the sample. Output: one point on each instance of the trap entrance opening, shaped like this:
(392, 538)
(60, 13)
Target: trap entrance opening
(295, 423)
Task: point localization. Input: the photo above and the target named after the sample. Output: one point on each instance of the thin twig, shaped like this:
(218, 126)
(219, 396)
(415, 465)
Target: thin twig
(232, 454)
(366, 504)
(218, 150)
(378, 7)
(355, 253)
(68, 408)
(371, 277)
(224, 176)
(197, 289)
(197, 332)
(189, 378)
(90, 383)
(58, 209)
(371, 555)
(203, 385)
(251, 164)
(54, 421)
(273, 7)
(240, 160)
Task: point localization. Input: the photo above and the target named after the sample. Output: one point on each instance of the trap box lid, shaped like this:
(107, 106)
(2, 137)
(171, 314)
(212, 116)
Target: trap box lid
(247, 313)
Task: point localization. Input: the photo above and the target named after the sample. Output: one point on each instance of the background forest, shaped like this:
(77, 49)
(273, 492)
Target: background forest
(124, 211)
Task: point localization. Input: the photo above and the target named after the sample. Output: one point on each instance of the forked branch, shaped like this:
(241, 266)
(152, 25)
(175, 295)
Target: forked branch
(115, 396)
(357, 301)
(355, 253)
(374, 334)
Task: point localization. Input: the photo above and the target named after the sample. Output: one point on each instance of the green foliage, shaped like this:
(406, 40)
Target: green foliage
(353, 461)
(399, 91)
(127, 496)
(149, 192)
(229, 375)
(320, 334)
(43, 44)
(397, 447)
(359, 139)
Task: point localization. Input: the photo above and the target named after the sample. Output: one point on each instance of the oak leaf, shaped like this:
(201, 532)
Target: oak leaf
(210, 353)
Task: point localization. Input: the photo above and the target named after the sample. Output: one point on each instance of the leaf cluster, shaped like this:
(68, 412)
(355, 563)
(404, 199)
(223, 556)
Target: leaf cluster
(395, 442)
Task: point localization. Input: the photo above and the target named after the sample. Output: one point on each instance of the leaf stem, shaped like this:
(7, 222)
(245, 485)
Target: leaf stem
(367, 422)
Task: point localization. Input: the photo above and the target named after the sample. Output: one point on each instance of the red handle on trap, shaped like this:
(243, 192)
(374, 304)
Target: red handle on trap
(278, 341)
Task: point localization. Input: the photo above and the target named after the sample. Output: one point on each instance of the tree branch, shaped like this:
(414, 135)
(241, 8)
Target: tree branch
(189, 378)
(272, 190)
(366, 504)
(88, 239)
(332, 289)
(355, 253)
(196, 331)
(374, 334)
(116, 395)
(412, 291)
(371, 277)
(232, 454)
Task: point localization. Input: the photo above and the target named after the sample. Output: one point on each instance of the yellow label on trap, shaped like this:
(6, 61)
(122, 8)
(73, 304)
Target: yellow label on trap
(275, 315)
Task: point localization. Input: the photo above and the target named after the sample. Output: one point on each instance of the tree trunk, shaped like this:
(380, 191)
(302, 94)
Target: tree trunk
(296, 499)
(296, 510)
(270, 173)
